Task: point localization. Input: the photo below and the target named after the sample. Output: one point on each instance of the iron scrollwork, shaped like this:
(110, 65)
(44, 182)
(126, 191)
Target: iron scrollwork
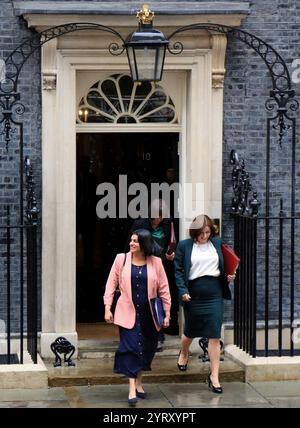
(284, 104)
(31, 208)
(242, 203)
(62, 346)
(282, 93)
(10, 106)
(15, 61)
(19, 56)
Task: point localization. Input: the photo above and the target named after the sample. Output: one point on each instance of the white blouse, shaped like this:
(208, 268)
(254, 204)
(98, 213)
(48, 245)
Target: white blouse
(205, 261)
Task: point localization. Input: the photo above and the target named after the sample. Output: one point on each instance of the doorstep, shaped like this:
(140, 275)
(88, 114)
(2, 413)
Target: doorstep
(95, 367)
(106, 348)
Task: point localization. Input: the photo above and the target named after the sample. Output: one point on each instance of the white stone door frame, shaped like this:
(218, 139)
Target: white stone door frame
(200, 161)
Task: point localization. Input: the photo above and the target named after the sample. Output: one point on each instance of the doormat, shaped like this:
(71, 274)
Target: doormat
(13, 359)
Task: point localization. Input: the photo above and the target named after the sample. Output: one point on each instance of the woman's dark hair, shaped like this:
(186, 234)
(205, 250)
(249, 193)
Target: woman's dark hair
(199, 223)
(146, 241)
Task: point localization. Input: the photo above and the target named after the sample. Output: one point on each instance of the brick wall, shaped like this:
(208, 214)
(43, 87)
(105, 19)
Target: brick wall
(12, 31)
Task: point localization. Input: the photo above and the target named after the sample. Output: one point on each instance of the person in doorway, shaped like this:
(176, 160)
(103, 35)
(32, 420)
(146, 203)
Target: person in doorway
(159, 225)
(142, 278)
(202, 285)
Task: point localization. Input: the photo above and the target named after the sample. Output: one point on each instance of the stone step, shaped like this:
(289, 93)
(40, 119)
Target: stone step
(106, 349)
(111, 354)
(99, 371)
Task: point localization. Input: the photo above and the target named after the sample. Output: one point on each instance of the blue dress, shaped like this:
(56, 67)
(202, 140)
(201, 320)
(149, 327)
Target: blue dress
(137, 345)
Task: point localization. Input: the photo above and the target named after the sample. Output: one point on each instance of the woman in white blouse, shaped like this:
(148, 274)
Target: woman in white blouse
(202, 285)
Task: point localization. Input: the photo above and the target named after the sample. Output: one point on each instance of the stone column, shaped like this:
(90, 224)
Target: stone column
(219, 43)
(59, 201)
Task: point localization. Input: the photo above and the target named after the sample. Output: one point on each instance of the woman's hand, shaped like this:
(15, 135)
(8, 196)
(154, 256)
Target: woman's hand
(108, 316)
(186, 297)
(166, 322)
(230, 278)
(170, 257)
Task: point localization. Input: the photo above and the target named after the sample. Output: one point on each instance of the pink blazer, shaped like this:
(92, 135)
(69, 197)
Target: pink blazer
(157, 286)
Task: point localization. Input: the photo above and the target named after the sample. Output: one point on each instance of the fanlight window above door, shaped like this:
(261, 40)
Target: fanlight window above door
(117, 99)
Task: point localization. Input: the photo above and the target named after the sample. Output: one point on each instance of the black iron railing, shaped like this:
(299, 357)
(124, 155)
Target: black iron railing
(18, 262)
(32, 294)
(268, 279)
(245, 286)
(15, 326)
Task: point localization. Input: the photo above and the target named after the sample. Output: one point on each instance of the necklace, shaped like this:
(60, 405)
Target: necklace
(139, 269)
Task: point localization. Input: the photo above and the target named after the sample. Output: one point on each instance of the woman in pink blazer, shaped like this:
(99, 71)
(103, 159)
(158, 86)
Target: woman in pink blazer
(140, 279)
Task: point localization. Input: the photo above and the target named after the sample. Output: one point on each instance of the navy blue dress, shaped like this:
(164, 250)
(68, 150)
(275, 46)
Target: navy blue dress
(137, 345)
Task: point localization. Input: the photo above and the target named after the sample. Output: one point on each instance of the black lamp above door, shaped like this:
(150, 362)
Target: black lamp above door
(146, 49)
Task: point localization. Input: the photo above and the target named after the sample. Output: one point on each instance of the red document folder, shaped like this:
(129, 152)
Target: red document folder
(231, 260)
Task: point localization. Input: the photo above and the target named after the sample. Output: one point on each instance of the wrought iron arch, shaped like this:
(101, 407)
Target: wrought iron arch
(269, 55)
(16, 59)
(263, 49)
(9, 97)
(281, 95)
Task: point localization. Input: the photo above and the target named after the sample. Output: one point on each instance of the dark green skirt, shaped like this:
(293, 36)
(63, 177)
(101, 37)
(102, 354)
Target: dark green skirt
(203, 315)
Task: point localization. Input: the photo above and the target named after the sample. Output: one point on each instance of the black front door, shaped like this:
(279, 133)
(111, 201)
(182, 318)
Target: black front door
(146, 158)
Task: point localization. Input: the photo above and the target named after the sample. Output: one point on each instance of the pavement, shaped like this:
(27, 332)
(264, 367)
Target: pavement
(91, 384)
(160, 396)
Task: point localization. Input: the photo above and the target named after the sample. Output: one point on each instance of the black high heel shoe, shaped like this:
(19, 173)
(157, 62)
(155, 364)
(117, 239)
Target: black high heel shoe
(215, 389)
(132, 401)
(182, 367)
(141, 394)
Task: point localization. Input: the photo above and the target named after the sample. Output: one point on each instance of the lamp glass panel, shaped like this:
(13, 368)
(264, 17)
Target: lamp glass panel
(132, 64)
(146, 63)
(159, 62)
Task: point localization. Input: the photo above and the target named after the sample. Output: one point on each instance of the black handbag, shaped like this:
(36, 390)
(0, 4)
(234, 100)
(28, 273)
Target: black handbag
(117, 292)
